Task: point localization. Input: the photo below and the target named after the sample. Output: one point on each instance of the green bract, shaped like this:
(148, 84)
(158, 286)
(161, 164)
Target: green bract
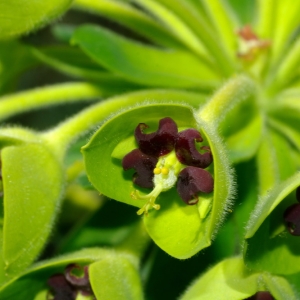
(29, 171)
(235, 282)
(101, 262)
(177, 228)
(19, 17)
(279, 251)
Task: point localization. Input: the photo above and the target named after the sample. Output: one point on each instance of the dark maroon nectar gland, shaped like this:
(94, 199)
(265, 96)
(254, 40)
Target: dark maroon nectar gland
(72, 285)
(166, 158)
(292, 219)
(261, 296)
(297, 192)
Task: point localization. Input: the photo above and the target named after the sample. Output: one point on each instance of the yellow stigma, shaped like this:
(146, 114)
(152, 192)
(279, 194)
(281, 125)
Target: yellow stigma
(157, 171)
(165, 171)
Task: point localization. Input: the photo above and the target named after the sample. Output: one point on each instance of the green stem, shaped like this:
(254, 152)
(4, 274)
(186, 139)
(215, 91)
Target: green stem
(67, 132)
(40, 97)
(231, 94)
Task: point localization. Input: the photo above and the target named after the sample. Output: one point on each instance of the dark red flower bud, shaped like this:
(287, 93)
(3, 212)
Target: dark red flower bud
(191, 181)
(143, 165)
(160, 142)
(261, 296)
(292, 219)
(61, 288)
(186, 151)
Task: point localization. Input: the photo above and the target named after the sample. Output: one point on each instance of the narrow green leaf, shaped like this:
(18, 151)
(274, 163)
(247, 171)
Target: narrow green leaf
(23, 101)
(70, 60)
(169, 18)
(267, 167)
(224, 21)
(287, 67)
(15, 58)
(24, 168)
(132, 18)
(265, 20)
(245, 10)
(285, 119)
(268, 203)
(284, 27)
(243, 144)
(143, 64)
(19, 17)
(181, 17)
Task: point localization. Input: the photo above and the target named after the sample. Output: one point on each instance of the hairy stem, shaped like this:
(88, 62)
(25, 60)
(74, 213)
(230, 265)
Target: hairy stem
(40, 97)
(235, 91)
(69, 131)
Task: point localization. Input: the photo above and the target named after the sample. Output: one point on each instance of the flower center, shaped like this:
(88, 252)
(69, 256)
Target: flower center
(165, 176)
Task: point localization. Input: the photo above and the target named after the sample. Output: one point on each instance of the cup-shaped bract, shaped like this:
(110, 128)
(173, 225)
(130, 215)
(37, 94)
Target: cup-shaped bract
(181, 229)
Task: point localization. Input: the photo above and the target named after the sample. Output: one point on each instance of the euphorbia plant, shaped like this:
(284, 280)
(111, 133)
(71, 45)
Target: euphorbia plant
(197, 131)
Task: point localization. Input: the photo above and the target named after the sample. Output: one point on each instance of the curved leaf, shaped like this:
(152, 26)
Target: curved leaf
(230, 279)
(143, 64)
(133, 18)
(269, 247)
(73, 62)
(15, 58)
(115, 278)
(24, 168)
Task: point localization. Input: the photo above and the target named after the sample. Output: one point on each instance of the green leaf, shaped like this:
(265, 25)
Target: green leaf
(243, 144)
(15, 58)
(29, 172)
(63, 32)
(19, 17)
(284, 27)
(285, 116)
(171, 68)
(168, 15)
(184, 20)
(115, 278)
(75, 63)
(224, 21)
(273, 167)
(267, 204)
(226, 280)
(179, 229)
(131, 17)
(269, 247)
(34, 280)
(230, 279)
